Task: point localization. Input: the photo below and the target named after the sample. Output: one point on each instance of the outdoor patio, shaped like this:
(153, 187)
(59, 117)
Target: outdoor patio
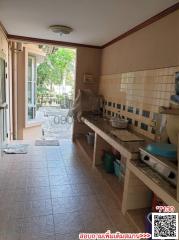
(56, 123)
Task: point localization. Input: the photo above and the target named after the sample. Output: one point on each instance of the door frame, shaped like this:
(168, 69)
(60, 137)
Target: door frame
(4, 135)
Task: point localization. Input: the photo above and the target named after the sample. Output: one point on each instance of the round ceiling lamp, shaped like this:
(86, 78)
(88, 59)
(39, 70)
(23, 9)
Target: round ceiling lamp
(61, 29)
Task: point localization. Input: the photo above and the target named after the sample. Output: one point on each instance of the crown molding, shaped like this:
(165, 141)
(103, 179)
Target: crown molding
(47, 41)
(146, 23)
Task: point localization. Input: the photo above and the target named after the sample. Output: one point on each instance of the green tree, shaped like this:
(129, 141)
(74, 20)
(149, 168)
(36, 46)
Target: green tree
(57, 68)
(63, 65)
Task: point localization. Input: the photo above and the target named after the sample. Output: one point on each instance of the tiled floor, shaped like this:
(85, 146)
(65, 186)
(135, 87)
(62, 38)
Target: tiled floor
(51, 193)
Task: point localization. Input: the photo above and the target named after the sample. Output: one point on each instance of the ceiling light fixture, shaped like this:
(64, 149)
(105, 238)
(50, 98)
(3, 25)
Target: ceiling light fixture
(61, 29)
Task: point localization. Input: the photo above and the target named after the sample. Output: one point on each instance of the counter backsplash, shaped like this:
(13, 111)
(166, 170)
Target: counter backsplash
(137, 96)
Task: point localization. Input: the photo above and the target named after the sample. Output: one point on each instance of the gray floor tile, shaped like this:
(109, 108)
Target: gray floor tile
(37, 164)
(6, 196)
(11, 209)
(88, 203)
(35, 193)
(78, 178)
(34, 236)
(82, 189)
(18, 195)
(38, 208)
(73, 236)
(61, 191)
(10, 236)
(57, 171)
(54, 180)
(37, 181)
(121, 222)
(16, 210)
(37, 172)
(12, 231)
(53, 157)
(35, 228)
(96, 221)
(3, 221)
(68, 223)
(65, 205)
(74, 170)
(15, 183)
(59, 180)
(55, 164)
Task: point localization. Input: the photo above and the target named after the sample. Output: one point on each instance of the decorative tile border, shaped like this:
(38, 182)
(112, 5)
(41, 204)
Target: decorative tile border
(136, 96)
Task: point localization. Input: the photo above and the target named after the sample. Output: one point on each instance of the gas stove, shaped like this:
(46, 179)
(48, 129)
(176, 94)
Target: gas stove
(166, 167)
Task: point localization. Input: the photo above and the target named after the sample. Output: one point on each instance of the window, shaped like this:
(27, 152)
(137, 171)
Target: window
(31, 87)
(2, 81)
(3, 111)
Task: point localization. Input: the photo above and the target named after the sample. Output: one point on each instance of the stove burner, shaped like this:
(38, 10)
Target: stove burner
(164, 166)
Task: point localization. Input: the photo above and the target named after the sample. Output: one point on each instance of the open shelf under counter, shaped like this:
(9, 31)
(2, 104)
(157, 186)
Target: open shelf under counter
(113, 182)
(137, 217)
(85, 148)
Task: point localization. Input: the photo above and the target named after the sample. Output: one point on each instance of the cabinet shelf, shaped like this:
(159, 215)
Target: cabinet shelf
(85, 148)
(113, 182)
(137, 217)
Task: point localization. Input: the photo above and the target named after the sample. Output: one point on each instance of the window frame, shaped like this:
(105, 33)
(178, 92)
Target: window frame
(33, 86)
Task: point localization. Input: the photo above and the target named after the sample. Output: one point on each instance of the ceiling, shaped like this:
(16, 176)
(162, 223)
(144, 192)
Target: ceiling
(95, 22)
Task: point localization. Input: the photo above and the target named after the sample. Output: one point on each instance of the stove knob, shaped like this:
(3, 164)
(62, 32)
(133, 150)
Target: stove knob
(146, 158)
(171, 175)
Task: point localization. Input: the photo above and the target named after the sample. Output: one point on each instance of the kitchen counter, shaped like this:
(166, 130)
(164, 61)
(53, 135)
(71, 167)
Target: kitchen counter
(139, 182)
(102, 127)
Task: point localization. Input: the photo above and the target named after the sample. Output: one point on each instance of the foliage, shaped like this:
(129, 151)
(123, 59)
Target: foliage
(57, 69)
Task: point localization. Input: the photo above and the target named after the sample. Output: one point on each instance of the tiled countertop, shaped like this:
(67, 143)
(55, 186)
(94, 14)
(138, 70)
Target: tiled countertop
(99, 123)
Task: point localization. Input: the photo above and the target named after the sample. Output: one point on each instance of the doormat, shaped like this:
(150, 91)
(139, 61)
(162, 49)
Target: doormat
(15, 148)
(47, 143)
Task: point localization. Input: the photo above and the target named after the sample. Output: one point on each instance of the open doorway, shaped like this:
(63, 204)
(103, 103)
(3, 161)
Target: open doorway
(50, 90)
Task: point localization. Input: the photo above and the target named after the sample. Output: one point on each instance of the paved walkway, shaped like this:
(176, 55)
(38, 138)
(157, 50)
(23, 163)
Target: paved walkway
(56, 124)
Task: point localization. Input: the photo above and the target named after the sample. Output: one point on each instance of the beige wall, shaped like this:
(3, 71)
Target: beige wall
(88, 61)
(25, 129)
(155, 46)
(138, 73)
(31, 133)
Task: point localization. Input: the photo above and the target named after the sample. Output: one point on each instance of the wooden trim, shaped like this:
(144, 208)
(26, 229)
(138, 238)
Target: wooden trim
(51, 42)
(146, 23)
